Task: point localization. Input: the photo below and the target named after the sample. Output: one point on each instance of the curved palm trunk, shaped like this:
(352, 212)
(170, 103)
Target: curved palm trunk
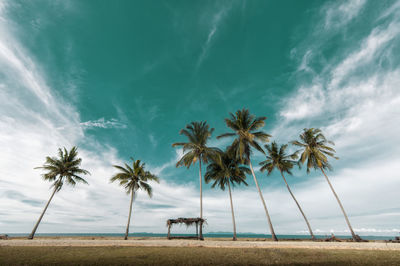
(129, 217)
(201, 202)
(233, 214)
(263, 202)
(298, 205)
(41, 216)
(355, 237)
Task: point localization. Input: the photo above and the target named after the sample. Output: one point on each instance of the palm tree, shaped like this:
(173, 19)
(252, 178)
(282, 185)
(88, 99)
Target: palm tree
(246, 128)
(132, 179)
(64, 169)
(198, 133)
(277, 158)
(224, 172)
(315, 149)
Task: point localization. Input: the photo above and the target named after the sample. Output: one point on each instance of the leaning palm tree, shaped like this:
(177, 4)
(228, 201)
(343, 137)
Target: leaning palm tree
(198, 133)
(132, 179)
(246, 128)
(60, 170)
(315, 149)
(224, 172)
(278, 159)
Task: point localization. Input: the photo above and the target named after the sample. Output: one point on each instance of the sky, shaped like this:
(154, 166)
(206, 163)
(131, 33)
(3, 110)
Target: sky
(119, 79)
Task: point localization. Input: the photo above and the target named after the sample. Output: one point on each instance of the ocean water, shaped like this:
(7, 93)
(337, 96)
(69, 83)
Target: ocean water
(211, 235)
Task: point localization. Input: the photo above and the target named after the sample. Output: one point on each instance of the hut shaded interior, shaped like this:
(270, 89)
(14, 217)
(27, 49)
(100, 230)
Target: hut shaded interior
(188, 222)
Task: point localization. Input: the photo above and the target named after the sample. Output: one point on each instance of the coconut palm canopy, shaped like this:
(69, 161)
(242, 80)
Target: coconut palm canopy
(247, 131)
(315, 149)
(227, 169)
(122, 78)
(278, 159)
(64, 169)
(134, 177)
(198, 133)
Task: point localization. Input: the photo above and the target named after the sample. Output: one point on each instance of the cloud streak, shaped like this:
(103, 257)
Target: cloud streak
(339, 14)
(216, 20)
(102, 123)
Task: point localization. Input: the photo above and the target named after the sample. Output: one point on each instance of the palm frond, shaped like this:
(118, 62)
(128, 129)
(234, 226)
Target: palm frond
(226, 135)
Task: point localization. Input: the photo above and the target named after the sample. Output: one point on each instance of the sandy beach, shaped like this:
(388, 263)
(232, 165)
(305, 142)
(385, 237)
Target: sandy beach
(211, 243)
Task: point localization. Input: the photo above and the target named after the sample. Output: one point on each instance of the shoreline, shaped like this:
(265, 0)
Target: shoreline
(283, 238)
(210, 243)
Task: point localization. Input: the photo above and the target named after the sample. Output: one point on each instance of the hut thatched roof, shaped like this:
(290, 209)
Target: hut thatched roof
(186, 221)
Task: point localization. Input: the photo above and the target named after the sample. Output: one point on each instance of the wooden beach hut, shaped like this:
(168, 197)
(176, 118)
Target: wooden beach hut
(198, 222)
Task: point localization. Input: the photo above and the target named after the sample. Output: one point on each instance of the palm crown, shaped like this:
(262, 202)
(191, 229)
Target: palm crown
(277, 158)
(315, 149)
(246, 127)
(64, 169)
(198, 134)
(135, 177)
(225, 170)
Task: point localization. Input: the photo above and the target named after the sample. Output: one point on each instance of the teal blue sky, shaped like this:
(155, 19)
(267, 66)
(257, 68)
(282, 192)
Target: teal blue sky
(155, 66)
(121, 78)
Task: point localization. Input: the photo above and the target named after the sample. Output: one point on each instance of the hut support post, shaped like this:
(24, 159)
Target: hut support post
(201, 230)
(169, 231)
(197, 229)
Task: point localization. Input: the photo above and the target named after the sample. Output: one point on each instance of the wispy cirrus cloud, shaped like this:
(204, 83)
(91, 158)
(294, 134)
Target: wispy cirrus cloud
(340, 13)
(102, 123)
(216, 20)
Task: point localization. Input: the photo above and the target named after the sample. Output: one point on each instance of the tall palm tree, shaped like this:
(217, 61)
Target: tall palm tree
(132, 179)
(246, 128)
(224, 172)
(278, 159)
(60, 170)
(198, 133)
(315, 149)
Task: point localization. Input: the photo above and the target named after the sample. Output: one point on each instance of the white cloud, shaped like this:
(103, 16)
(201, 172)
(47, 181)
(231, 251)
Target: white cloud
(157, 170)
(339, 14)
(304, 62)
(102, 123)
(375, 42)
(215, 23)
(153, 140)
(393, 10)
(308, 102)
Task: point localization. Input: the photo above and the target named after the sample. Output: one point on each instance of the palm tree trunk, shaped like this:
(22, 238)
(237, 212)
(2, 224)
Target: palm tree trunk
(298, 205)
(129, 217)
(41, 216)
(233, 214)
(201, 202)
(263, 202)
(355, 237)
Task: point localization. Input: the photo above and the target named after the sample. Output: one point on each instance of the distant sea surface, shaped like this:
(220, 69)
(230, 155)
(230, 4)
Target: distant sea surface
(212, 235)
